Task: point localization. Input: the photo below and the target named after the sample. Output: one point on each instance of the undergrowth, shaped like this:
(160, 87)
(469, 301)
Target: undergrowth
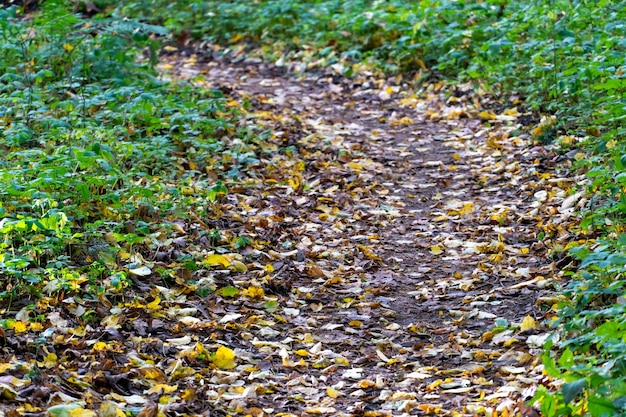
(103, 160)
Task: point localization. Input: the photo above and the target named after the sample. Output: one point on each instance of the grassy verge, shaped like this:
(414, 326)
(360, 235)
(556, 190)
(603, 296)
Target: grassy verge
(564, 58)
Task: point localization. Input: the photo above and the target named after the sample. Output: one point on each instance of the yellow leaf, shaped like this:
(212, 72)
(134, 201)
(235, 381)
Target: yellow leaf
(166, 399)
(366, 383)
(152, 373)
(368, 253)
(332, 393)
(216, 259)
(429, 409)
(468, 207)
(50, 361)
(486, 115)
(19, 326)
(301, 352)
(254, 292)
(100, 346)
(611, 144)
(154, 305)
(4, 367)
(201, 350)
(355, 166)
(294, 183)
(528, 323)
(68, 47)
(436, 250)
(188, 394)
(81, 412)
(224, 358)
(342, 361)
(162, 387)
(510, 342)
(434, 385)
(487, 336)
(187, 190)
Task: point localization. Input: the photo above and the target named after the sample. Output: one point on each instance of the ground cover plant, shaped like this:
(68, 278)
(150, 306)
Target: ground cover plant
(101, 155)
(124, 189)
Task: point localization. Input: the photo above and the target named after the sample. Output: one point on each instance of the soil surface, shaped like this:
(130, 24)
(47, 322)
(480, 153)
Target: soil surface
(440, 197)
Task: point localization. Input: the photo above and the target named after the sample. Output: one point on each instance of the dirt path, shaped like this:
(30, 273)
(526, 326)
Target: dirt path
(417, 259)
(389, 259)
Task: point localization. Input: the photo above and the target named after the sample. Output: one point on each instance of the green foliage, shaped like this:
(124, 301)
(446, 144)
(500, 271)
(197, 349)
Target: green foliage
(557, 53)
(94, 146)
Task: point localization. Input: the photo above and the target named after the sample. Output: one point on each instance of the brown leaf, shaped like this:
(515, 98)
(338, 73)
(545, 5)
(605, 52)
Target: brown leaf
(150, 410)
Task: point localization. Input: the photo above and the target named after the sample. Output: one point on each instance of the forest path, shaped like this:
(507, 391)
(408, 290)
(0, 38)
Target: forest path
(401, 229)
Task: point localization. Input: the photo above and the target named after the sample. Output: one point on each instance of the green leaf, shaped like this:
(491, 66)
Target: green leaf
(548, 405)
(84, 191)
(567, 359)
(550, 366)
(572, 389)
(608, 329)
(271, 306)
(611, 84)
(502, 322)
(600, 407)
(229, 291)
(62, 410)
(241, 242)
(118, 280)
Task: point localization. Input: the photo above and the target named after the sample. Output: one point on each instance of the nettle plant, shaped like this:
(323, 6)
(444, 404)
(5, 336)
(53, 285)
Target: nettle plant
(95, 144)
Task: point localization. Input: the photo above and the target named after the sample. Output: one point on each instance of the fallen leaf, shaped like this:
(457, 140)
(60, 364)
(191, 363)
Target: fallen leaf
(216, 259)
(224, 358)
(528, 323)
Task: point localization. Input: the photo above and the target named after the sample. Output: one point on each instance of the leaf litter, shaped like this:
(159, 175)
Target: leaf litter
(383, 261)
